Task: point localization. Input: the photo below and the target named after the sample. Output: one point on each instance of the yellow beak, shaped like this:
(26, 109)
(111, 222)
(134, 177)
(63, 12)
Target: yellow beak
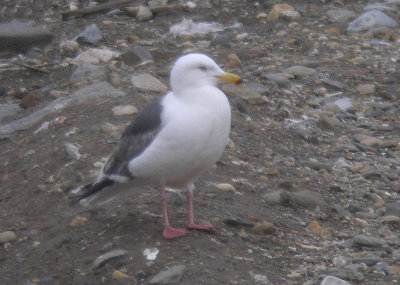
(230, 78)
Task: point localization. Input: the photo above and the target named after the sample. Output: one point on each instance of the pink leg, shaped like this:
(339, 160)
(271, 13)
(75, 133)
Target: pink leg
(191, 224)
(169, 232)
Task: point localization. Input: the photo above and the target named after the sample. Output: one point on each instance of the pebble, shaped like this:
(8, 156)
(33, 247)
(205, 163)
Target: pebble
(7, 236)
(136, 55)
(371, 19)
(73, 150)
(300, 71)
(291, 15)
(124, 110)
(263, 228)
(57, 94)
(89, 73)
(340, 15)
(390, 219)
(91, 34)
(78, 222)
(280, 79)
(274, 14)
(368, 140)
(332, 280)
(170, 276)
(102, 259)
(143, 14)
(147, 83)
(95, 56)
(366, 89)
(107, 127)
(69, 48)
(315, 228)
(9, 111)
(31, 100)
(225, 187)
(233, 62)
(307, 199)
(361, 240)
(328, 123)
(393, 208)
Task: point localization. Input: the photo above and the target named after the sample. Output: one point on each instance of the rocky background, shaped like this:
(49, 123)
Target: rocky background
(307, 191)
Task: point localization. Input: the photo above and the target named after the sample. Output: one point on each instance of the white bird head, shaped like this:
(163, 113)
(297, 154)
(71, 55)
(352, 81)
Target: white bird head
(196, 70)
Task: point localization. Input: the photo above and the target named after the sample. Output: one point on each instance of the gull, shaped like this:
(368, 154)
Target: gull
(171, 142)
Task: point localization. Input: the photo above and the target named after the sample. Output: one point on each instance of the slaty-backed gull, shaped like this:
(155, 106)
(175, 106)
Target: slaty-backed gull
(172, 141)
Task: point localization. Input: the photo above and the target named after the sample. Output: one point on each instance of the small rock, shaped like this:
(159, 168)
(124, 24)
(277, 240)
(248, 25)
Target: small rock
(340, 15)
(73, 150)
(143, 14)
(361, 240)
(393, 208)
(315, 228)
(291, 15)
(328, 123)
(366, 89)
(280, 79)
(8, 111)
(136, 55)
(89, 73)
(307, 199)
(108, 127)
(300, 71)
(320, 91)
(7, 236)
(69, 48)
(108, 256)
(36, 244)
(371, 19)
(332, 31)
(225, 187)
(332, 280)
(91, 34)
(274, 14)
(368, 140)
(259, 88)
(78, 222)
(233, 62)
(263, 228)
(248, 95)
(95, 56)
(170, 276)
(157, 3)
(57, 94)
(30, 100)
(124, 110)
(390, 219)
(146, 82)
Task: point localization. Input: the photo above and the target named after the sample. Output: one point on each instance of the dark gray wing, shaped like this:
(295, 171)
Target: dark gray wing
(135, 139)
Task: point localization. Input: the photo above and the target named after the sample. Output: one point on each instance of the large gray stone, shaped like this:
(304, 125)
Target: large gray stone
(371, 19)
(20, 36)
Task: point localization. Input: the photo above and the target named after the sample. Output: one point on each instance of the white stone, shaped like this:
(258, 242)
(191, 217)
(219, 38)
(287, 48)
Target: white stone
(146, 82)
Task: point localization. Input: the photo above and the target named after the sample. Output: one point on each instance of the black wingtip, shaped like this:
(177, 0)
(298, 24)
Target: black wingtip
(82, 192)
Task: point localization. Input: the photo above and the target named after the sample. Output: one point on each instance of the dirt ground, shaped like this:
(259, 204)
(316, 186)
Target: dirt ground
(265, 156)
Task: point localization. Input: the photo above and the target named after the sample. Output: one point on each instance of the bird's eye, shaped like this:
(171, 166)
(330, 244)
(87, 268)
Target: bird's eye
(203, 68)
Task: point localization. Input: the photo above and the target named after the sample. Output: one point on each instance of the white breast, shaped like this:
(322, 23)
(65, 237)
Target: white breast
(194, 135)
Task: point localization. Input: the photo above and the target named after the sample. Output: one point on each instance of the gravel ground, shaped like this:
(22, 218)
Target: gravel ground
(307, 191)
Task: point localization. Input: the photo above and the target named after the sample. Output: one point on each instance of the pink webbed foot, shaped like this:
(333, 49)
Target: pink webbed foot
(170, 232)
(194, 226)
